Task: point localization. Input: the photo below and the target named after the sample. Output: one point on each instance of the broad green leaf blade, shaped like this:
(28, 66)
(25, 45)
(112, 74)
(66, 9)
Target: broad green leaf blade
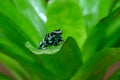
(9, 30)
(66, 62)
(12, 37)
(49, 50)
(117, 5)
(16, 69)
(30, 61)
(16, 53)
(103, 35)
(35, 11)
(34, 27)
(115, 76)
(4, 77)
(66, 15)
(95, 10)
(97, 66)
(36, 7)
(12, 44)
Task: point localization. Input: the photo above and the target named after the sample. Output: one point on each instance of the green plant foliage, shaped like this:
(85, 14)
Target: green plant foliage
(99, 64)
(67, 17)
(94, 10)
(59, 62)
(4, 77)
(91, 33)
(23, 13)
(103, 35)
(115, 76)
(16, 49)
(49, 50)
(16, 69)
(66, 62)
(116, 5)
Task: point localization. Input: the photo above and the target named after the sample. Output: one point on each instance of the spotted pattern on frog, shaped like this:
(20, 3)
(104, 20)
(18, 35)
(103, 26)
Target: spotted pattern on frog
(51, 39)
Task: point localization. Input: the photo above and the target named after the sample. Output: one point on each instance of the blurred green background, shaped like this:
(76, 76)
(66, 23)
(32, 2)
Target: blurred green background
(91, 31)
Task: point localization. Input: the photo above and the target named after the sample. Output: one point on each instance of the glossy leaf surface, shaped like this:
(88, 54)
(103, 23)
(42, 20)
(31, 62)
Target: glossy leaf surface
(103, 35)
(67, 17)
(66, 62)
(100, 66)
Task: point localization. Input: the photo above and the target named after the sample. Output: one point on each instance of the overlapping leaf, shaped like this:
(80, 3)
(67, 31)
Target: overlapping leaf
(15, 69)
(103, 35)
(13, 46)
(24, 20)
(100, 66)
(116, 5)
(66, 62)
(4, 77)
(66, 15)
(27, 15)
(94, 10)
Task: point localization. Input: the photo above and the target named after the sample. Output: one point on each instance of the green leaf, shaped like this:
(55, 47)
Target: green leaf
(115, 76)
(66, 62)
(8, 39)
(12, 44)
(25, 20)
(24, 14)
(35, 11)
(25, 58)
(95, 10)
(49, 50)
(4, 77)
(15, 68)
(104, 35)
(116, 5)
(97, 66)
(30, 62)
(66, 15)
(18, 54)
